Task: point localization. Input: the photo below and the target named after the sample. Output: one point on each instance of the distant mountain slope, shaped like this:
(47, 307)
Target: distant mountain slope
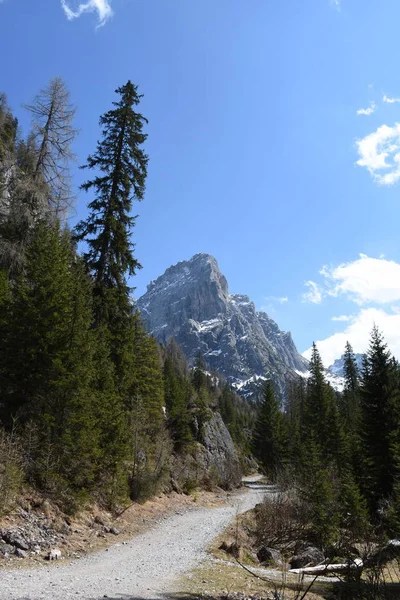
(191, 302)
(338, 366)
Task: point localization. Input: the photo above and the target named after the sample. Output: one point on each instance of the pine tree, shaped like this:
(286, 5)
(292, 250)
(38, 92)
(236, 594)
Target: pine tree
(319, 414)
(350, 399)
(380, 423)
(50, 335)
(176, 388)
(147, 431)
(270, 435)
(122, 169)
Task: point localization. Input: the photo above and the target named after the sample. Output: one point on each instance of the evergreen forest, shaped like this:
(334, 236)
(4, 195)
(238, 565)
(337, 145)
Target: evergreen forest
(92, 408)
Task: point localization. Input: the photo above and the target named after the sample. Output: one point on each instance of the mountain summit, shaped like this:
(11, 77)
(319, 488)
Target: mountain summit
(191, 303)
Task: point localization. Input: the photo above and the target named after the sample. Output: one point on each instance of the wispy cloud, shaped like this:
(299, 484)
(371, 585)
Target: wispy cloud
(390, 100)
(342, 318)
(278, 299)
(379, 152)
(313, 294)
(336, 4)
(367, 111)
(102, 7)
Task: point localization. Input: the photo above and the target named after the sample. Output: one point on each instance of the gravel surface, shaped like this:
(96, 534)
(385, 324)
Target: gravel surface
(145, 567)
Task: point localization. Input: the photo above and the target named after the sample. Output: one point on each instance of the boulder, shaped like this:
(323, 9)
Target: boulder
(310, 557)
(20, 553)
(269, 556)
(6, 549)
(15, 539)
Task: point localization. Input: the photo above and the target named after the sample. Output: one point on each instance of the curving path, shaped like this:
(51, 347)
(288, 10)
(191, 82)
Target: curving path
(145, 567)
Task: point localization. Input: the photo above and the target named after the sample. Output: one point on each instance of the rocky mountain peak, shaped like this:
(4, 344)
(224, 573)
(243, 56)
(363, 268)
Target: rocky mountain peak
(191, 302)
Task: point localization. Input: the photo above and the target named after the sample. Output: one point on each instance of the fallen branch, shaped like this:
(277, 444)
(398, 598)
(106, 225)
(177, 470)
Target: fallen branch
(357, 563)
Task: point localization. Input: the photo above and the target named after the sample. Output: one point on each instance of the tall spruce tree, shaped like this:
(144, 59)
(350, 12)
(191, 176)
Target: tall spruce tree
(380, 423)
(319, 415)
(49, 333)
(270, 443)
(121, 164)
(121, 169)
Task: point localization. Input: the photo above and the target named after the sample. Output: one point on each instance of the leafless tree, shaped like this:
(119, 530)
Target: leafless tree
(53, 133)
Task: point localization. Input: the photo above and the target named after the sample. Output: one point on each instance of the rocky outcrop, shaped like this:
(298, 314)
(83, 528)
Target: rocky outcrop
(191, 302)
(211, 462)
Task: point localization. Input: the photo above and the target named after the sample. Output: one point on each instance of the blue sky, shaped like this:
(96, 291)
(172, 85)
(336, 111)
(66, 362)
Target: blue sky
(273, 141)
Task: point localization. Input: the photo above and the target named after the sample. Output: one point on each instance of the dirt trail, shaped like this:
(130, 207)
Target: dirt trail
(145, 567)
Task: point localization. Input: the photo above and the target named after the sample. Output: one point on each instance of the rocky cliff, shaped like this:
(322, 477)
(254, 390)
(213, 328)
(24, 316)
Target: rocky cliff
(191, 302)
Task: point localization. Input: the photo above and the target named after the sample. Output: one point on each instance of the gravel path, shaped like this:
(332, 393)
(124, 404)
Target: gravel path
(145, 567)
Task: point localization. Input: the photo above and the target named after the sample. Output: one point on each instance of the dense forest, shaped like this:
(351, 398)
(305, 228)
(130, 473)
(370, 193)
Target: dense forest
(339, 451)
(91, 407)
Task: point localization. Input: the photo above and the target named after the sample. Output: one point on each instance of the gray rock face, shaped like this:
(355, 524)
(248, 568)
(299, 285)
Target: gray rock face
(191, 302)
(220, 453)
(212, 461)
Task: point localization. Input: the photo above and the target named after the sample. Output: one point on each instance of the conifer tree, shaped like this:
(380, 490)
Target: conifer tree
(380, 424)
(270, 435)
(50, 334)
(52, 135)
(121, 165)
(320, 416)
(176, 402)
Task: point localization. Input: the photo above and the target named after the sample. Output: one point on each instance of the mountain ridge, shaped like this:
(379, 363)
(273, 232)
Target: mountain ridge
(191, 302)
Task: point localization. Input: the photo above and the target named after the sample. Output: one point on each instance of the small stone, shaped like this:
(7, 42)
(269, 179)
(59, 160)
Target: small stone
(20, 553)
(114, 531)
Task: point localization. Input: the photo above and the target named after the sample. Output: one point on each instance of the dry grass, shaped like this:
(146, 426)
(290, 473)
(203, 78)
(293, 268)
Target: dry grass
(220, 578)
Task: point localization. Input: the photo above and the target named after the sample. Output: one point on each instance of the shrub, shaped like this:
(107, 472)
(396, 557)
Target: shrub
(11, 473)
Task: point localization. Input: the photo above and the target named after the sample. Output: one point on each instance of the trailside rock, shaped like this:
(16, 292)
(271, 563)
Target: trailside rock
(220, 453)
(191, 303)
(15, 539)
(311, 556)
(212, 461)
(269, 556)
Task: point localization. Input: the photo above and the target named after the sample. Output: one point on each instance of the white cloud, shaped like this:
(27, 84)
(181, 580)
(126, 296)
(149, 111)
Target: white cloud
(380, 153)
(374, 285)
(313, 294)
(102, 7)
(389, 100)
(367, 111)
(364, 281)
(358, 334)
(336, 4)
(278, 299)
(342, 318)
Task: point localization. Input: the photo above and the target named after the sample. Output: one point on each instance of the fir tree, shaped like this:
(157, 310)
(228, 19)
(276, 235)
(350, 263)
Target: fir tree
(176, 402)
(122, 169)
(319, 414)
(50, 334)
(380, 424)
(270, 435)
